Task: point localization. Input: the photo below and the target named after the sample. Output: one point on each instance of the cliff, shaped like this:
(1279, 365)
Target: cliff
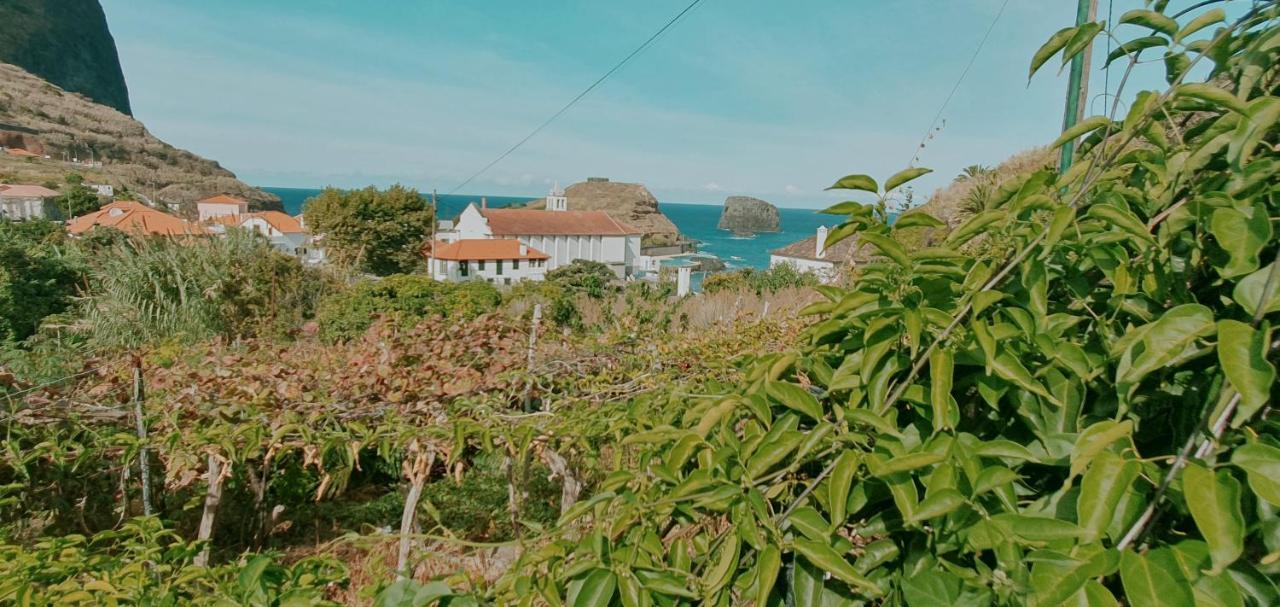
(747, 215)
(67, 43)
(42, 118)
(630, 203)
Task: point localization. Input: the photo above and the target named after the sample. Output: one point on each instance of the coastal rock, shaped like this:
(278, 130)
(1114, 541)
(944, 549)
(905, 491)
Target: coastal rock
(66, 42)
(44, 119)
(630, 203)
(745, 215)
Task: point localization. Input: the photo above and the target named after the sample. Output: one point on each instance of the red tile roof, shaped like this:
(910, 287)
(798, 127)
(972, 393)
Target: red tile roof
(280, 221)
(477, 249)
(21, 153)
(520, 222)
(26, 191)
(135, 218)
(225, 199)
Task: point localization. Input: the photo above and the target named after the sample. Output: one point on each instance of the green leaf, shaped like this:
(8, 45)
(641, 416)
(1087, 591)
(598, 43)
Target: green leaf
(770, 453)
(1134, 46)
(1212, 95)
(1242, 236)
(973, 226)
(596, 590)
(941, 369)
(1202, 21)
(1163, 341)
(903, 463)
(1007, 367)
(1056, 43)
(1094, 440)
(992, 477)
(841, 481)
(726, 562)
(1154, 579)
(1058, 577)
(937, 503)
(1262, 464)
(917, 219)
(904, 176)
(767, 565)
(1262, 115)
(1081, 39)
(856, 182)
(1248, 292)
(931, 588)
(1120, 218)
(796, 398)
(848, 207)
(1242, 350)
(1151, 19)
(827, 559)
(1103, 486)
(888, 247)
(1214, 502)
(1087, 125)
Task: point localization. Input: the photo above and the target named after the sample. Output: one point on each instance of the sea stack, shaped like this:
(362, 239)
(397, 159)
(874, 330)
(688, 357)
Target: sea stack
(747, 215)
(629, 203)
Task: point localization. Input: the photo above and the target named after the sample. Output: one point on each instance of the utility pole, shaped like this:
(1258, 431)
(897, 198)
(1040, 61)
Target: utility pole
(1078, 85)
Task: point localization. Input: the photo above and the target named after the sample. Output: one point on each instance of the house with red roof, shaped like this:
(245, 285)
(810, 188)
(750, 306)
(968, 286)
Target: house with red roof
(561, 234)
(137, 219)
(285, 232)
(501, 261)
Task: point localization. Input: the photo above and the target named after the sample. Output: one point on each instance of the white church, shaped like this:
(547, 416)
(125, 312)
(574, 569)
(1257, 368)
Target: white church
(504, 246)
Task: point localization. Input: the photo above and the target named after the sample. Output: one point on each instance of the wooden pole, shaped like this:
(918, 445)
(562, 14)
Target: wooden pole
(141, 426)
(213, 478)
(418, 473)
(1077, 85)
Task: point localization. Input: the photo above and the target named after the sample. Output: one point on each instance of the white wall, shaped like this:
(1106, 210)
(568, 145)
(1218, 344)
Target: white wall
(209, 210)
(22, 208)
(445, 270)
(825, 270)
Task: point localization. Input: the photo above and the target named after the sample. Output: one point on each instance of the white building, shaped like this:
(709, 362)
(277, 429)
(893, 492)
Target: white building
(563, 235)
(496, 260)
(287, 234)
(812, 255)
(19, 202)
(221, 205)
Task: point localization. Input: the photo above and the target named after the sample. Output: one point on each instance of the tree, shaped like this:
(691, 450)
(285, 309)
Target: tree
(590, 277)
(973, 171)
(380, 232)
(77, 201)
(33, 283)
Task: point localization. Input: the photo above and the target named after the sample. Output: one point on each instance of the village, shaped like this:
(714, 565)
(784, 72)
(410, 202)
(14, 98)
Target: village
(501, 246)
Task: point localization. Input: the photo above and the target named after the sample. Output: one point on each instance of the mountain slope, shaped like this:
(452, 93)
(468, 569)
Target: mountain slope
(42, 118)
(66, 42)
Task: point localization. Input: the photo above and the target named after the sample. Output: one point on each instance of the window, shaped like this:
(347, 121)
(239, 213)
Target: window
(506, 281)
(515, 264)
(462, 268)
(498, 264)
(481, 262)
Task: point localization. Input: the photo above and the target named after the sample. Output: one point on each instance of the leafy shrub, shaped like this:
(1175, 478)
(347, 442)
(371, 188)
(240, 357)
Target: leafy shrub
(407, 298)
(590, 277)
(1077, 411)
(35, 281)
(772, 280)
(152, 290)
(476, 508)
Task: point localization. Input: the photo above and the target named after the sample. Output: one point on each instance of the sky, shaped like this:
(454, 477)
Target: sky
(742, 97)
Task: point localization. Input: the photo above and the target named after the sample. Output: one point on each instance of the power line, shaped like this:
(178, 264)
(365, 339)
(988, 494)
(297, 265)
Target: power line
(584, 93)
(959, 81)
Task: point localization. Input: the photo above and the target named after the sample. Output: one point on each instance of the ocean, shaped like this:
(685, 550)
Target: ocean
(696, 221)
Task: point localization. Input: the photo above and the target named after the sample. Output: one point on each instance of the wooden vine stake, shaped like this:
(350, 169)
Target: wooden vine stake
(570, 486)
(533, 344)
(217, 474)
(144, 464)
(416, 470)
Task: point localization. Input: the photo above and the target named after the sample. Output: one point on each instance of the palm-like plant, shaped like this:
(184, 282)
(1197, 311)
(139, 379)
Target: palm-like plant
(973, 171)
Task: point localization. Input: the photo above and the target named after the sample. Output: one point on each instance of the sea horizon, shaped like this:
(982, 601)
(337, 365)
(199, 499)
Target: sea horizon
(697, 221)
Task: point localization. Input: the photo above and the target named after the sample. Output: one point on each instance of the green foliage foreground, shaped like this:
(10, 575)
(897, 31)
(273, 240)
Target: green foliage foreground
(1067, 402)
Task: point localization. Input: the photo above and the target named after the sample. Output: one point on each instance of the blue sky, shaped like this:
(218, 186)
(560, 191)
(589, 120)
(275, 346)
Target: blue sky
(757, 97)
